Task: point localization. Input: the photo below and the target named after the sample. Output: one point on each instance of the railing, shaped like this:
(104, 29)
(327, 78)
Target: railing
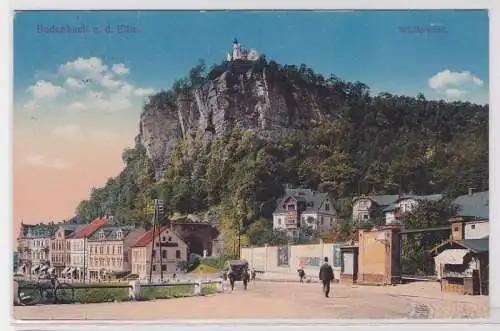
(96, 293)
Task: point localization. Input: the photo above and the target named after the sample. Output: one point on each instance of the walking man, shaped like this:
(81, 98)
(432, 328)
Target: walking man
(326, 276)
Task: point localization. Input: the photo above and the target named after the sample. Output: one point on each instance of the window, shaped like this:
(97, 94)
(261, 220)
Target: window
(163, 238)
(279, 221)
(177, 254)
(365, 216)
(456, 228)
(107, 249)
(154, 253)
(125, 257)
(163, 267)
(291, 207)
(169, 238)
(473, 226)
(327, 207)
(113, 249)
(164, 254)
(154, 267)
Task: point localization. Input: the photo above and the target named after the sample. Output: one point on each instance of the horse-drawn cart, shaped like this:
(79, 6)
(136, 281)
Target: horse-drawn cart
(237, 270)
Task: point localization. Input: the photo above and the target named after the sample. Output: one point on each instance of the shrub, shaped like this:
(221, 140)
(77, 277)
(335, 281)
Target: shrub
(166, 292)
(99, 294)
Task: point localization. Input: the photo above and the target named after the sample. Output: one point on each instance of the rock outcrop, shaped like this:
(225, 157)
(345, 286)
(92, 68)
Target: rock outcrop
(230, 102)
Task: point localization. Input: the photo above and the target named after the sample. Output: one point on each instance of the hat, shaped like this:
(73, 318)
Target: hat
(326, 259)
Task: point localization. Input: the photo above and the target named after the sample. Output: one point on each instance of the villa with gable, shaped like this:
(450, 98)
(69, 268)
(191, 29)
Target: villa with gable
(303, 208)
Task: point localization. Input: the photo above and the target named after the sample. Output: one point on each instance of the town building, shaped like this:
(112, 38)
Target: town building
(15, 260)
(34, 247)
(24, 250)
(78, 268)
(472, 219)
(395, 213)
(169, 251)
(392, 208)
(304, 209)
(60, 252)
(462, 262)
(109, 250)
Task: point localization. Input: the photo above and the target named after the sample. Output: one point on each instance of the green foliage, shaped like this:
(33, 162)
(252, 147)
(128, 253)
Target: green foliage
(93, 295)
(261, 232)
(417, 258)
(166, 292)
(384, 144)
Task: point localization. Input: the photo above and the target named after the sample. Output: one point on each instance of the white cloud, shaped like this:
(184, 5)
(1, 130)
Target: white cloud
(31, 104)
(41, 161)
(45, 90)
(91, 85)
(74, 83)
(453, 93)
(104, 136)
(143, 92)
(91, 68)
(67, 132)
(76, 106)
(447, 78)
(120, 69)
(454, 85)
(109, 83)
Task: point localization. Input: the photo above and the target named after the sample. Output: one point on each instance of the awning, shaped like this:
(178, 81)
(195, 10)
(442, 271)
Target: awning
(44, 267)
(451, 256)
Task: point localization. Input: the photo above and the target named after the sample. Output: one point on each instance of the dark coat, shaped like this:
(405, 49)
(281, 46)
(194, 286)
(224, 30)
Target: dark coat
(326, 273)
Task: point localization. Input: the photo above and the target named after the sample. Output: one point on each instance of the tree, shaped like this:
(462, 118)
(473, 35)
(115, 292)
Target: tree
(416, 246)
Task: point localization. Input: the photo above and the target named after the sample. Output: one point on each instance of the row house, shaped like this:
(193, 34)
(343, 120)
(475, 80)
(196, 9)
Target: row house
(303, 208)
(77, 268)
(168, 251)
(392, 208)
(60, 252)
(110, 250)
(34, 247)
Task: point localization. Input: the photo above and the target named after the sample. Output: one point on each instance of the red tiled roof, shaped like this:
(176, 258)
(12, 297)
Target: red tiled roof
(148, 237)
(91, 228)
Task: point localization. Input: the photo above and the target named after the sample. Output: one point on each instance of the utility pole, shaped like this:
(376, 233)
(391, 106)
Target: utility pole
(153, 246)
(158, 210)
(84, 258)
(239, 239)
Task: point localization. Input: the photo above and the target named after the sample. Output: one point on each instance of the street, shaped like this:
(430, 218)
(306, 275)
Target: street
(279, 300)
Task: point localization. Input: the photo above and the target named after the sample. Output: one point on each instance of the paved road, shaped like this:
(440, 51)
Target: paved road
(282, 301)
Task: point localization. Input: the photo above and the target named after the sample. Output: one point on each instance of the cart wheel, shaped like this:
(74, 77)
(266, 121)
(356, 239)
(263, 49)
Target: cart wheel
(30, 295)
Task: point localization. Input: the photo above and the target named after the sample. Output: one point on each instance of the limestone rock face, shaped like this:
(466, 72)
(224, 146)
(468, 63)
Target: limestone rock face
(230, 102)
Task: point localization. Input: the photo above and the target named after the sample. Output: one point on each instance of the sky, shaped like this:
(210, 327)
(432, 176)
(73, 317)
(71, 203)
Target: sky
(78, 96)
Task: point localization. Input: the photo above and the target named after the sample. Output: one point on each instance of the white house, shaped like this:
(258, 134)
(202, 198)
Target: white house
(79, 258)
(303, 208)
(406, 204)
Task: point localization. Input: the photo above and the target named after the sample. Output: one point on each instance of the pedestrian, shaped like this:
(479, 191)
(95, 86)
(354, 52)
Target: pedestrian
(302, 274)
(326, 276)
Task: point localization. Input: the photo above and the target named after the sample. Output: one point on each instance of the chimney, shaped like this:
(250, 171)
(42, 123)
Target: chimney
(471, 190)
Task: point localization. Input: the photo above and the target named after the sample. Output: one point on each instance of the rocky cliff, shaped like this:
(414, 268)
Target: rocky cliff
(264, 101)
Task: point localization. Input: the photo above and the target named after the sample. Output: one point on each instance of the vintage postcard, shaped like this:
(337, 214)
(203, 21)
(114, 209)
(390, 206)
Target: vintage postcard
(251, 165)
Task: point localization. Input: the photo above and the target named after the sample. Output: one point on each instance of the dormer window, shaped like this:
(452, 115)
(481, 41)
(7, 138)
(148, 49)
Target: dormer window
(119, 234)
(327, 206)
